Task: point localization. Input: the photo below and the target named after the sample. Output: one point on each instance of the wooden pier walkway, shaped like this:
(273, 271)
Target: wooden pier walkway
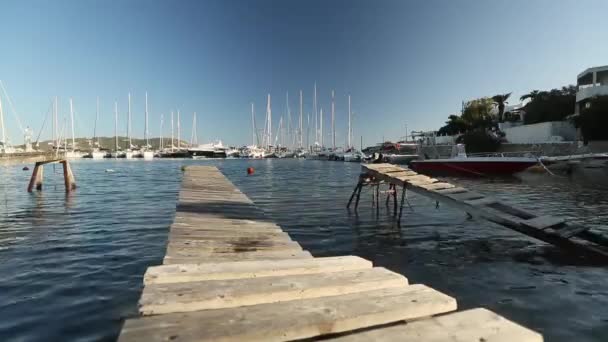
(231, 274)
(553, 230)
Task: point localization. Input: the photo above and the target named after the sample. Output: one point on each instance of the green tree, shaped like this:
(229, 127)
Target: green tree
(454, 125)
(500, 100)
(477, 113)
(531, 95)
(553, 105)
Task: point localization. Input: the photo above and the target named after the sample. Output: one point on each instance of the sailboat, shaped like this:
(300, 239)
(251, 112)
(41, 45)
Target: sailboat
(73, 154)
(129, 153)
(117, 152)
(96, 152)
(351, 154)
(147, 153)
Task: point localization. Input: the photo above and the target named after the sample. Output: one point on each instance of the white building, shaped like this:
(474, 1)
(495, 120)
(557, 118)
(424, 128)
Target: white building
(591, 82)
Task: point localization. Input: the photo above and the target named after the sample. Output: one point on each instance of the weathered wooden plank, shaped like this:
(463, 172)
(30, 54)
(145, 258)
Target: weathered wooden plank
(465, 196)
(471, 325)
(222, 257)
(243, 242)
(543, 222)
(482, 201)
(224, 227)
(202, 234)
(217, 294)
(437, 186)
(179, 250)
(455, 190)
(292, 320)
(570, 231)
(251, 269)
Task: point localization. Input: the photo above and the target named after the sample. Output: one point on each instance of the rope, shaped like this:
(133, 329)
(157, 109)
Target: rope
(544, 167)
(14, 112)
(43, 123)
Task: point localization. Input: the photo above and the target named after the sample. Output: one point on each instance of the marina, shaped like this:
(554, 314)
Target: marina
(225, 259)
(304, 171)
(475, 262)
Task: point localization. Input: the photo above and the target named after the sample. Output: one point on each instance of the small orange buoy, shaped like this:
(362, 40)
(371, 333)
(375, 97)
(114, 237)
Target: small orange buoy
(250, 170)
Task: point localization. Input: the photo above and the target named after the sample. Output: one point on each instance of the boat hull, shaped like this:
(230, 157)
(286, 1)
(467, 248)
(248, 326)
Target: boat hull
(472, 167)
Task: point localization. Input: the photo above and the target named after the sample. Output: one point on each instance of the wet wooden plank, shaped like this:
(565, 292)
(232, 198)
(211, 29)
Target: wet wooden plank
(291, 320)
(222, 257)
(181, 250)
(455, 190)
(482, 201)
(438, 186)
(252, 269)
(543, 222)
(466, 196)
(217, 294)
(471, 325)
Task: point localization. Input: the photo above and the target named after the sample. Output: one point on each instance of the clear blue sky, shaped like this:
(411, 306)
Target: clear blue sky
(403, 61)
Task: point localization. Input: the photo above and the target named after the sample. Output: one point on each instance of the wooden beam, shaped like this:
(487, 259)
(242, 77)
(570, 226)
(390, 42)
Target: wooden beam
(216, 294)
(251, 269)
(292, 320)
(471, 325)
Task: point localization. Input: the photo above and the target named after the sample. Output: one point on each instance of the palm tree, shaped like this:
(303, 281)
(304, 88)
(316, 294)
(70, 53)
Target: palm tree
(500, 101)
(532, 95)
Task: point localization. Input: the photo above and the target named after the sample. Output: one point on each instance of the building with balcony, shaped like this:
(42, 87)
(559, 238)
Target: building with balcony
(591, 82)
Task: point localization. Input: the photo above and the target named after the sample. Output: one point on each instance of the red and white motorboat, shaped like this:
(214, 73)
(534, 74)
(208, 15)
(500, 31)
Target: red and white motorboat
(461, 164)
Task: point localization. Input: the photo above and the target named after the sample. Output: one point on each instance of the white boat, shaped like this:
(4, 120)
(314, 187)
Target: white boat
(354, 156)
(97, 154)
(74, 154)
(148, 155)
(210, 150)
(233, 153)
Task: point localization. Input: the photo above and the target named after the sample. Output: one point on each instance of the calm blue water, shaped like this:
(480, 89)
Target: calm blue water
(71, 266)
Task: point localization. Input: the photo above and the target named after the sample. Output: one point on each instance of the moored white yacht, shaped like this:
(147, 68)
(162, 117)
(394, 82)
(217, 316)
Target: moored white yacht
(210, 150)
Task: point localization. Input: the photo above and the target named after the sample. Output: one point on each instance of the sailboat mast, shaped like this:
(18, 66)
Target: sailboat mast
(95, 137)
(172, 131)
(179, 135)
(2, 126)
(308, 131)
(146, 128)
(269, 114)
(252, 126)
(333, 122)
(301, 122)
(72, 124)
(116, 127)
(129, 121)
(193, 137)
(162, 119)
(55, 125)
(321, 125)
(314, 100)
(289, 128)
(349, 127)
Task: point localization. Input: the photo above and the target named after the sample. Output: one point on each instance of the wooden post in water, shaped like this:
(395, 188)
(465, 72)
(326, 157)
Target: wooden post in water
(36, 179)
(68, 176)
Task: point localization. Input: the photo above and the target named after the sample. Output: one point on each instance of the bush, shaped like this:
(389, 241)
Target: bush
(478, 141)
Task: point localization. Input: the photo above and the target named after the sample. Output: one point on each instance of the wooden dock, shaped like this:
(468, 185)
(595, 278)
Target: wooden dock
(231, 274)
(550, 229)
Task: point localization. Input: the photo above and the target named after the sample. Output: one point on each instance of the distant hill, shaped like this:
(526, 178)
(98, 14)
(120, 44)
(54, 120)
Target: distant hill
(108, 143)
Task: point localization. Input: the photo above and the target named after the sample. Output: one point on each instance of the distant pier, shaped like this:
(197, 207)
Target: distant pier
(231, 274)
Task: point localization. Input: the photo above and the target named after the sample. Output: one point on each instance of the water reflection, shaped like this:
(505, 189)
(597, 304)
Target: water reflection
(82, 256)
